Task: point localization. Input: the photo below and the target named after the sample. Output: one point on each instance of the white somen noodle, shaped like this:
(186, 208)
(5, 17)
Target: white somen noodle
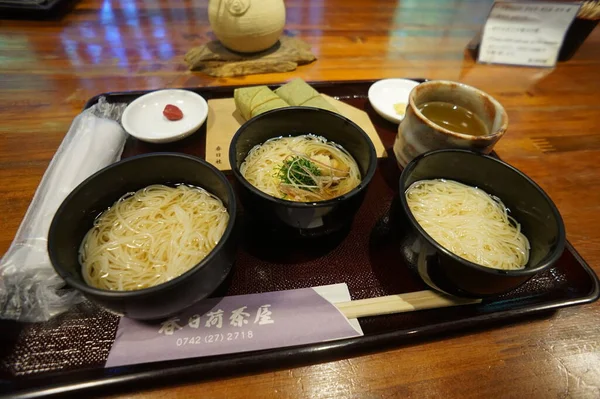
(469, 222)
(304, 168)
(151, 236)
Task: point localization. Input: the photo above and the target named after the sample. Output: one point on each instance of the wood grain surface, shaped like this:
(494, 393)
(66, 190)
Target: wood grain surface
(48, 69)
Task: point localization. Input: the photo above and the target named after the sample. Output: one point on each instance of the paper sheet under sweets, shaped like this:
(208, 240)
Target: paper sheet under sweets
(224, 120)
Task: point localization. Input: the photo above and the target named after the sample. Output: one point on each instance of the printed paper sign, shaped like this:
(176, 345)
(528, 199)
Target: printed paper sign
(234, 324)
(526, 33)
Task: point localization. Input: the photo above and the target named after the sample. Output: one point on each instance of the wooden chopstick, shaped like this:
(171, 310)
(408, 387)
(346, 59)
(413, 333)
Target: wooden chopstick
(400, 303)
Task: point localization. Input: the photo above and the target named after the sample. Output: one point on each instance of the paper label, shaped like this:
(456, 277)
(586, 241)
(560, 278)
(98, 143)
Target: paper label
(233, 324)
(526, 32)
(224, 120)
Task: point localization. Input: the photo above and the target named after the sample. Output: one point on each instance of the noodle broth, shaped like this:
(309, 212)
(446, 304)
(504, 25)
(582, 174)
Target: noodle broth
(151, 236)
(305, 168)
(469, 222)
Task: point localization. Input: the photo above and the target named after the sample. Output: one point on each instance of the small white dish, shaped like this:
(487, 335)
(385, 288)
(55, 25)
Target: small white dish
(383, 94)
(144, 118)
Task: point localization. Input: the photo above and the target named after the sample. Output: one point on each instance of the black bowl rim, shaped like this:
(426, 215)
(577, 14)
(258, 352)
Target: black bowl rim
(295, 204)
(558, 250)
(232, 208)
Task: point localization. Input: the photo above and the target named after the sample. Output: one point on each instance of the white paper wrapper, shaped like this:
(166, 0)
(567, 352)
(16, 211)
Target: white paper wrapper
(30, 289)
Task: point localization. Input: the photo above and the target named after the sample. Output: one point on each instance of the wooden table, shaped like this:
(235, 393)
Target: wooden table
(49, 69)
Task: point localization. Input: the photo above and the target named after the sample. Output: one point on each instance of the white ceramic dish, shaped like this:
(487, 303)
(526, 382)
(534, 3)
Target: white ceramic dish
(144, 118)
(383, 94)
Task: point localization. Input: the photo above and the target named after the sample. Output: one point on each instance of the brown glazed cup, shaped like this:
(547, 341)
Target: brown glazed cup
(417, 134)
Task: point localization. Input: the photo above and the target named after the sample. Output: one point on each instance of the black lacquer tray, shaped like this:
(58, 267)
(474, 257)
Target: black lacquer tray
(67, 354)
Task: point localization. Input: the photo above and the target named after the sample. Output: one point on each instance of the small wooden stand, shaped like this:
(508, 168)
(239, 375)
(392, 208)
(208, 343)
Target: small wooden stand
(216, 60)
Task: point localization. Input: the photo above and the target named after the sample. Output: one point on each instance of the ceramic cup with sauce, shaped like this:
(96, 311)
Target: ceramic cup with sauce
(417, 134)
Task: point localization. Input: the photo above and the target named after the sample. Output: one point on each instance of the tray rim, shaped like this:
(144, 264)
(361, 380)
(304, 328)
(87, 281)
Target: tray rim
(237, 364)
(226, 88)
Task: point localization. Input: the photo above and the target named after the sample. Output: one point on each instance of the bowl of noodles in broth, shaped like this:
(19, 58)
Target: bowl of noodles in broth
(474, 226)
(148, 236)
(302, 171)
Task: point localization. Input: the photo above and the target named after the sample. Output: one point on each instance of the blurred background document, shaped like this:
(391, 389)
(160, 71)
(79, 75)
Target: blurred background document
(526, 33)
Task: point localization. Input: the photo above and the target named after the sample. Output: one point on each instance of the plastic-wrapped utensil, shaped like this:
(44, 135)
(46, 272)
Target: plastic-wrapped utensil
(30, 290)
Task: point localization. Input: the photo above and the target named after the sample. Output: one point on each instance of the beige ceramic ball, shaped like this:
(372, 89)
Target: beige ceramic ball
(247, 26)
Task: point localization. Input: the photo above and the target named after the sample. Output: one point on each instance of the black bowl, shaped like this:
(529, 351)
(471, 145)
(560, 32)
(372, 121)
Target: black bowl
(76, 215)
(528, 203)
(302, 219)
